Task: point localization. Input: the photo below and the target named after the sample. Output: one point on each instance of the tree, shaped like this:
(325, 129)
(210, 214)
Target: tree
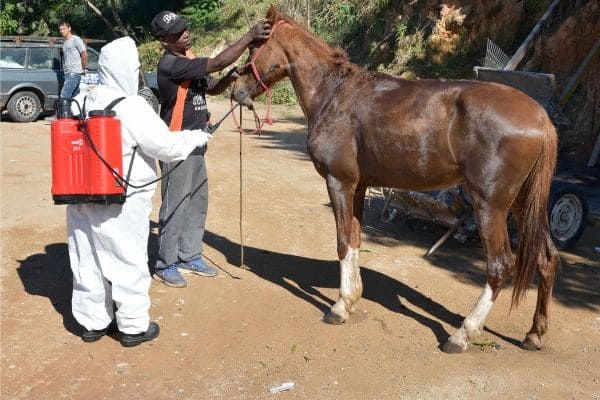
(8, 22)
(89, 18)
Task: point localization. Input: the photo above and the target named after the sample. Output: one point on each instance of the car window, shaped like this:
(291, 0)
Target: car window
(12, 57)
(92, 59)
(42, 58)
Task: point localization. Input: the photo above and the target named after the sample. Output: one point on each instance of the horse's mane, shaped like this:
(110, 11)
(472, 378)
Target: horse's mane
(333, 56)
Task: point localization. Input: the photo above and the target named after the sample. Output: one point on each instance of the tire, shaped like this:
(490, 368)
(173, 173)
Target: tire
(24, 107)
(567, 214)
(150, 97)
(388, 214)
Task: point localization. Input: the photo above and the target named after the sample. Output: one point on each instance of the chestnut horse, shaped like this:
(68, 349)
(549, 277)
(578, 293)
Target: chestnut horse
(371, 129)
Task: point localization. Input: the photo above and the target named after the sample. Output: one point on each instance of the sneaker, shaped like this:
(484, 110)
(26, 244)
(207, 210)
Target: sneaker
(128, 340)
(170, 276)
(197, 266)
(92, 336)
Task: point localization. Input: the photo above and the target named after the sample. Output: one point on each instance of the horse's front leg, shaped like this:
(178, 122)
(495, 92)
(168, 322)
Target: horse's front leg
(348, 203)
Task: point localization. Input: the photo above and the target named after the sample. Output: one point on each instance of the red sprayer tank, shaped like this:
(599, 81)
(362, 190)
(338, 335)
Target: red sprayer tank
(105, 133)
(78, 174)
(69, 155)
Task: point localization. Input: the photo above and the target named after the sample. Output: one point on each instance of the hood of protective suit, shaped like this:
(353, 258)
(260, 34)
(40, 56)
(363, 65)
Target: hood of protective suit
(119, 66)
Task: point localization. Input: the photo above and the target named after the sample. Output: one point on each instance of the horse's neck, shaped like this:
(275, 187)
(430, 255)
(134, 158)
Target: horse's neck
(311, 86)
(314, 80)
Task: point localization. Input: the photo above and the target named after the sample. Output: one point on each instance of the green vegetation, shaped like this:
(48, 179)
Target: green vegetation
(203, 14)
(484, 343)
(8, 23)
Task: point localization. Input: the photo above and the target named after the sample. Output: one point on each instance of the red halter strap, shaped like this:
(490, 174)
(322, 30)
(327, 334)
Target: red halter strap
(268, 118)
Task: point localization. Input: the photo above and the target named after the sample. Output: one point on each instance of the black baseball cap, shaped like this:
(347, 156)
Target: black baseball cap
(167, 22)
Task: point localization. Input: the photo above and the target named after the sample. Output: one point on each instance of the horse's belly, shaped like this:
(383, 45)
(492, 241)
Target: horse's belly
(410, 166)
(412, 177)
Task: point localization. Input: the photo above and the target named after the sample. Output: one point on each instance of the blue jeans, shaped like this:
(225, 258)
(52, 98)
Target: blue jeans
(71, 86)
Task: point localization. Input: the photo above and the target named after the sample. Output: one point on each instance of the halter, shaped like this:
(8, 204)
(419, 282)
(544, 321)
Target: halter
(268, 118)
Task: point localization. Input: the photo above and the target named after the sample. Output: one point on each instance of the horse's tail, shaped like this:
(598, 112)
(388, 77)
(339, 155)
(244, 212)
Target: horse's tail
(535, 244)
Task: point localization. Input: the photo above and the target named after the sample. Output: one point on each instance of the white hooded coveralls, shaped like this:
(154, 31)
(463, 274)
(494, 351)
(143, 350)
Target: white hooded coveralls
(108, 243)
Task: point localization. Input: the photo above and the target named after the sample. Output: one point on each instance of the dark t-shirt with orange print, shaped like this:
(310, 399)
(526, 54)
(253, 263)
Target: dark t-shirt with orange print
(172, 70)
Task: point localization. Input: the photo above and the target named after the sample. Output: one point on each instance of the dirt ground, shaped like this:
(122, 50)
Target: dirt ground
(248, 330)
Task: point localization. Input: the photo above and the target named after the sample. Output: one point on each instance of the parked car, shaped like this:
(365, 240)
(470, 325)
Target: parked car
(32, 75)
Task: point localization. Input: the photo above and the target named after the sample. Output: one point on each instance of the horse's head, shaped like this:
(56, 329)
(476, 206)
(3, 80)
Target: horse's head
(266, 64)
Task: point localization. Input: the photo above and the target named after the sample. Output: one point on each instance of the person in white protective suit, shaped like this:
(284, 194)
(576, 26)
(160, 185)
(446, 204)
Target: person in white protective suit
(108, 243)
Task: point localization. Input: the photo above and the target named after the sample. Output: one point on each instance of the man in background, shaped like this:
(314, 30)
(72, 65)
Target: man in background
(75, 60)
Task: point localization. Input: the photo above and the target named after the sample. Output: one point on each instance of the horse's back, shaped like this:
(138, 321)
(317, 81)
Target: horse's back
(425, 134)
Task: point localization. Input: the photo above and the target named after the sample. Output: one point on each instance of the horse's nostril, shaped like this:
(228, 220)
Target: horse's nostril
(239, 95)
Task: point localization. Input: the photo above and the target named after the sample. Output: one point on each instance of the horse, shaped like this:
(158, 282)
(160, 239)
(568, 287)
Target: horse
(371, 129)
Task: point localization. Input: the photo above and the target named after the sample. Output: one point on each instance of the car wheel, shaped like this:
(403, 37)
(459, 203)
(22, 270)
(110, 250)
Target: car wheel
(24, 107)
(567, 214)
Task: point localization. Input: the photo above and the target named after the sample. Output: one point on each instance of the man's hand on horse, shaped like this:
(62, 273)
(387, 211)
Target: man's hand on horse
(232, 74)
(260, 31)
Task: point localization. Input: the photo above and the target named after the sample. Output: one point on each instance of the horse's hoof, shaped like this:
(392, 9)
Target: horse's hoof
(451, 347)
(334, 318)
(532, 342)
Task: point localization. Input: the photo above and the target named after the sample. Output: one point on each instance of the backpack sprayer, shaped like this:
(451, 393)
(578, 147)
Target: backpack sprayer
(87, 155)
(79, 173)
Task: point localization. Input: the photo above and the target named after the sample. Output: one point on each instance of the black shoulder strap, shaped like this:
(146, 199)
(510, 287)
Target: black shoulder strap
(109, 108)
(113, 103)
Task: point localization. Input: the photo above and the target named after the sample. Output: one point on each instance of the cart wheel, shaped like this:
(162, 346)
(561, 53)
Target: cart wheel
(567, 214)
(388, 214)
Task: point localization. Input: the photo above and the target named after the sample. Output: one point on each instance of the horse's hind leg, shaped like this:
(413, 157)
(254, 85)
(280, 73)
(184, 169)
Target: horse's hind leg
(348, 203)
(547, 269)
(500, 261)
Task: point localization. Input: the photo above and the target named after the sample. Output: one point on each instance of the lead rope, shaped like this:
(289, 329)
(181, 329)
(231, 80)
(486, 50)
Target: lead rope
(241, 198)
(259, 126)
(268, 119)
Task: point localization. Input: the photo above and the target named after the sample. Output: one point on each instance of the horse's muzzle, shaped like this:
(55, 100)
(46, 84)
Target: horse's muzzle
(241, 96)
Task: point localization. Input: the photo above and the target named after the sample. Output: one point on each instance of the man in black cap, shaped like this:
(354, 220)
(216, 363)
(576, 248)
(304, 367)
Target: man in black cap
(183, 81)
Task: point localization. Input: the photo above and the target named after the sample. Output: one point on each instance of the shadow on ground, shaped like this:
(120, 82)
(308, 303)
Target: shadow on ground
(49, 275)
(304, 277)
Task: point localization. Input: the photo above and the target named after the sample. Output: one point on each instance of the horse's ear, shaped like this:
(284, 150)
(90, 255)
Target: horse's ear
(272, 14)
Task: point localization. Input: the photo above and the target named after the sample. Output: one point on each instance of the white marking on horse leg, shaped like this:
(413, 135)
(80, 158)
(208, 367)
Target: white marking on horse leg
(476, 318)
(350, 284)
(473, 323)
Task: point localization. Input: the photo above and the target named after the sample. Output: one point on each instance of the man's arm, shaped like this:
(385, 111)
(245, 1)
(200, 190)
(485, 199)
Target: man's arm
(218, 86)
(80, 46)
(258, 32)
(84, 60)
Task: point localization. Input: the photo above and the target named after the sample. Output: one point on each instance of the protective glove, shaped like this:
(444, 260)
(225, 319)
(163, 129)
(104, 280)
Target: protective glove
(200, 137)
